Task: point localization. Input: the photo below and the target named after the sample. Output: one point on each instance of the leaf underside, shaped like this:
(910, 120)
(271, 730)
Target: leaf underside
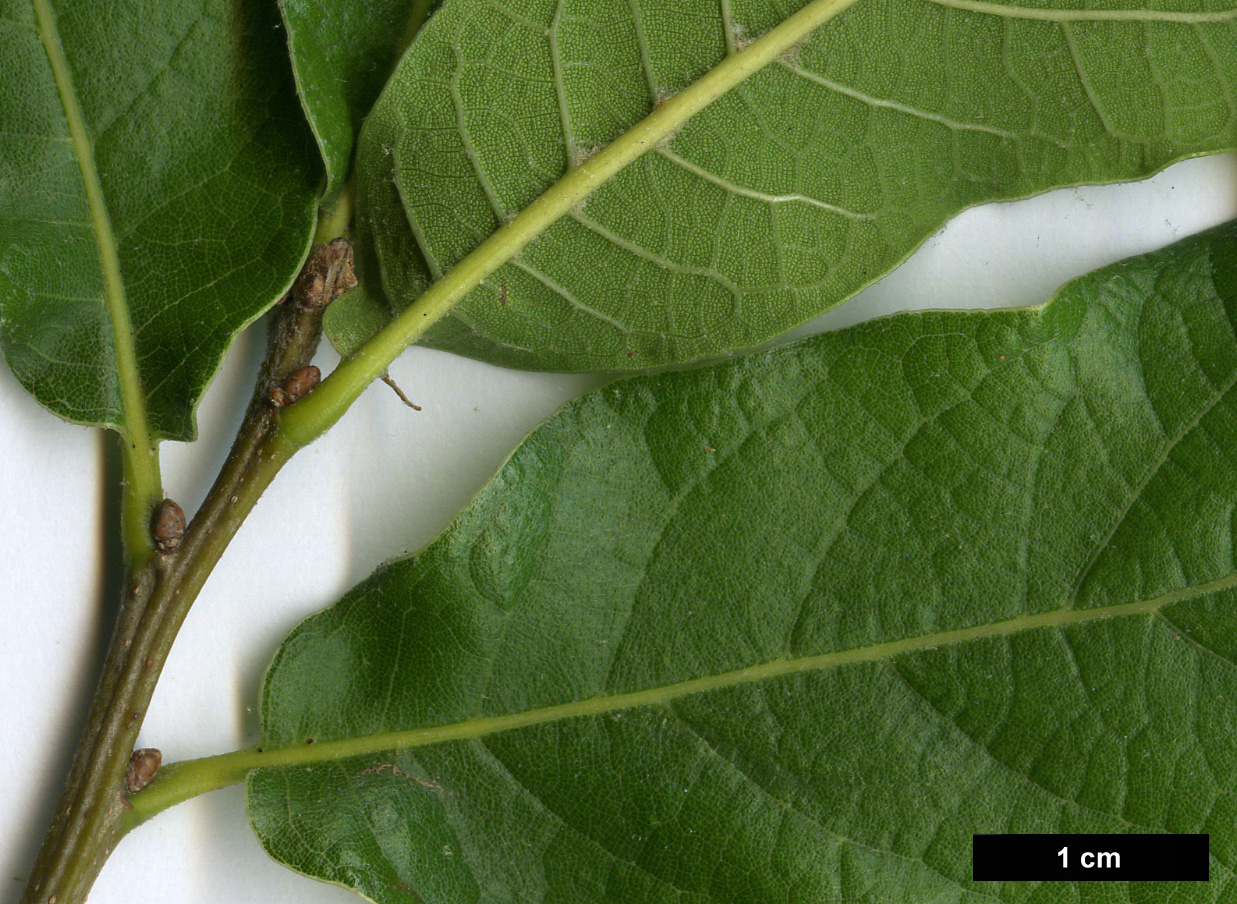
(209, 177)
(785, 197)
(792, 628)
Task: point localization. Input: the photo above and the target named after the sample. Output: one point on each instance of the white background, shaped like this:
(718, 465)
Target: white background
(382, 483)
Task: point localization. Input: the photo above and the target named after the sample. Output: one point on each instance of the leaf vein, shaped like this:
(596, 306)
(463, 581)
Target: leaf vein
(470, 151)
(140, 467)
(647, 255)
(560, 87)
(787, 807)
(733, 188)
(562, 821)
(871, 101)
(646, 62)
(1152, 471)
(1085, 15)
(1085, 82)
(1005, 767)
(1225, 84)
(567, 295)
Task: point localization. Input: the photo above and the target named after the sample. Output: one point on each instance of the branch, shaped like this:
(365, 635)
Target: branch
(89, 818)
(287, 412)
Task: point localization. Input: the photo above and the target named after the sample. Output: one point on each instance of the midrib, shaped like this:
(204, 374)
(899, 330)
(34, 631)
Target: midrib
(132, 400)
(476, 728)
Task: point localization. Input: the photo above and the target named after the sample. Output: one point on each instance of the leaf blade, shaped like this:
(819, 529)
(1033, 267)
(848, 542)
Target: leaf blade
(747, 222)
(143, 487)
(869, 594)
(116, 304)
(210, 191)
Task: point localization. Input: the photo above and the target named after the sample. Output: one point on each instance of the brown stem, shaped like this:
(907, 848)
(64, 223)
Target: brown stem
(91, 804)
(87, 822)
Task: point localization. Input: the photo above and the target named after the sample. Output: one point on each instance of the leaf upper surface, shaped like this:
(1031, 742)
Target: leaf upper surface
(784, 197)
(208, 180)
(342, 53)
(794, 627)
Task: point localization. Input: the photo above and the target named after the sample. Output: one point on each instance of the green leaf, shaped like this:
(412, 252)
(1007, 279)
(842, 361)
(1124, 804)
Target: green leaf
(794, 627)
(158, 188)
(783, 198)
(342, 53)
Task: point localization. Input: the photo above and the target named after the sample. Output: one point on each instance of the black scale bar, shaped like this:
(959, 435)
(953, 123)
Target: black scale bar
(1090, 858)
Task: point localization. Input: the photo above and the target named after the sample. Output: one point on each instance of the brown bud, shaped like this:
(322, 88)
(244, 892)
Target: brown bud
(143, 765)
(326, 275)
(168, 525)
(295, 385)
